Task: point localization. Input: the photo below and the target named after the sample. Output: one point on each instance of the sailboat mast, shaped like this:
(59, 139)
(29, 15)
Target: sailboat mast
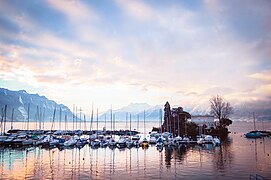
(126, 122)
(66, 122)
(144, 126)
(43, 117)
(60, 117)
(85, 123)
(36, 118)
(130, 124)
(28, 109)
(91, 119)
(73, 117)
(12, 116)
(76, 118)
(2, 119)
(254, 121)
(111, 114)
(5, 120)
(80, 118)
(114, 124)
(137, 123)
(53, 118)
(97, 122)
(40, 116)
(105, 121)
(161, 116)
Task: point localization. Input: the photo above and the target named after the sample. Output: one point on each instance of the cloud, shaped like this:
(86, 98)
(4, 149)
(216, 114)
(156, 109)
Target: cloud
(218, 90)
(51, 79)
(264, 76)
(138, 10)
(152, 50)
(76, 11)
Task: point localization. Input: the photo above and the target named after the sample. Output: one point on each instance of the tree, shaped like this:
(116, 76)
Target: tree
(225, 122)
(220, 108)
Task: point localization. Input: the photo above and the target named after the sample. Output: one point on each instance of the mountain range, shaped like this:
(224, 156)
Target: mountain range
(42, 107)
(39, 107)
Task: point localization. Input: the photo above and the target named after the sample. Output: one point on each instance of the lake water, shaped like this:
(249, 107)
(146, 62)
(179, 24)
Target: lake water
(237, 158)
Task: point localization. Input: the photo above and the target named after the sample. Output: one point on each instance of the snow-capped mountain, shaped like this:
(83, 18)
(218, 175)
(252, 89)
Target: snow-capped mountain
(137, 111)
(134, 108)
(242, 112)
(38, 106)
(20, 100)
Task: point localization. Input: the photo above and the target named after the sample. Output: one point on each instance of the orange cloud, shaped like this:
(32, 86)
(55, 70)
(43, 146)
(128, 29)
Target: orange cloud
(265, 76)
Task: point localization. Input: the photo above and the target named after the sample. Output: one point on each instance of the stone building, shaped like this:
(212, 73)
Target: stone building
(175, 120)
(205, 122)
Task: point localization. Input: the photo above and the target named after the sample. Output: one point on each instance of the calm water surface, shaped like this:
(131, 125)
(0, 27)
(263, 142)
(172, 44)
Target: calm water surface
(237, 157)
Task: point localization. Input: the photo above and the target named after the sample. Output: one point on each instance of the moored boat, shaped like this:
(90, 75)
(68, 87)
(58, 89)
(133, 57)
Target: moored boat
(152, 140)
(121, 143)
(254, 134)
(145, 143)
(216, 141)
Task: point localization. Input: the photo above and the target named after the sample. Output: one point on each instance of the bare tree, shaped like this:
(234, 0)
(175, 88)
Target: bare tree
(220, 108)
(227, 111)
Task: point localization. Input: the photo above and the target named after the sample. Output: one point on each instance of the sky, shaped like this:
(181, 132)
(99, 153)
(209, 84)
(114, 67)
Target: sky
(118, 52)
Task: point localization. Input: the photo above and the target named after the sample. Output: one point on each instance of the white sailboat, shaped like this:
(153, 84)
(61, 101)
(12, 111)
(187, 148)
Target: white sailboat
(145, 142)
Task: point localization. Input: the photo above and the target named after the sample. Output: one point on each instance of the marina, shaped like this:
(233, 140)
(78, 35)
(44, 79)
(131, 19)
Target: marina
(173, 131)
(118, 138)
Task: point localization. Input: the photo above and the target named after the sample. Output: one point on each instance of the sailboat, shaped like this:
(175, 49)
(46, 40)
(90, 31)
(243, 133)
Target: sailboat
(112, 142)
(12, 116)
(97, 141)
(71, 142)
(159, 144)
(92, 137)
(26, 140)
(59, 131)
(136, 137)
(255, 133)
(129, 141)
(9, 141)
(3, 136)
(145, 142)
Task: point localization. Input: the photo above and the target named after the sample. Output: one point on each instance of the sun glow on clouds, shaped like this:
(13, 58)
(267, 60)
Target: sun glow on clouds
(137, 51)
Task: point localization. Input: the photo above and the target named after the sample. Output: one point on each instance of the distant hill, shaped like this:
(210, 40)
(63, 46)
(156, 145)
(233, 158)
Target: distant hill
(20, 100)
(242, 112)
(136, 110)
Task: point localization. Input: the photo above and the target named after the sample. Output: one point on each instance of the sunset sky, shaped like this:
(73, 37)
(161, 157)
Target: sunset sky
(118, 52)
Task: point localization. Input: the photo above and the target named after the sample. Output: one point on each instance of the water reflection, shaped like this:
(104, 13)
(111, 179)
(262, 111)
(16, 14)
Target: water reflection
(222, 155)
(102, 163)
(237, 157)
